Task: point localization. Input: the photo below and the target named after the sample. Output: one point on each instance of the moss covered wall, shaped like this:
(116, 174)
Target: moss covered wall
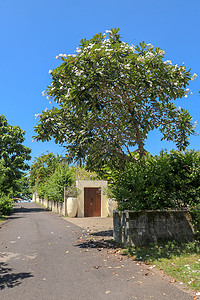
(141, 228)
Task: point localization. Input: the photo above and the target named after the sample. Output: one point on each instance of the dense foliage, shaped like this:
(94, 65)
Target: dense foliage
(13, 162)
(80, 173)
(6, 185)
(160, 182)
(50, 174)
(53, 187)
(195, 214)
(109, 96)
(23, 189)
(13, 156)
(6, 206)
(42, 168)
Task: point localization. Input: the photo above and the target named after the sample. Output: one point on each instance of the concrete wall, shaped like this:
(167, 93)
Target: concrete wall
(34, 197)
(81, 184)
(107, 205)
(59, 208)
(112, 205)
(141, 228)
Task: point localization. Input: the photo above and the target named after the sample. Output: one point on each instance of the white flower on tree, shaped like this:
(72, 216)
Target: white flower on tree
(110, 95)
(194, 77)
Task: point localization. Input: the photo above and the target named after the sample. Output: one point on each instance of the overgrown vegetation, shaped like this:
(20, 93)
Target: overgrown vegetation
(53, 187)
(181, 261)
(168, 181)
(50, 174)
(13, 156)
(13, 164)
(6, 206)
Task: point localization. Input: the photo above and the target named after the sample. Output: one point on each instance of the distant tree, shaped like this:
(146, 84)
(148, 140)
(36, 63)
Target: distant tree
(23, 188)
(6, 185)
(42, 168)
(49, 175)
(109, 96)
(53, 188)
(13, 156)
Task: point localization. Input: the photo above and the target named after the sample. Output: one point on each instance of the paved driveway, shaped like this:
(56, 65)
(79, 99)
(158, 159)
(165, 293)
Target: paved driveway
(45, 257)
(93, 224)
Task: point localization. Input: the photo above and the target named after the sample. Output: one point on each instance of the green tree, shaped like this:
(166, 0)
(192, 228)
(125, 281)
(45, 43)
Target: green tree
(42, 168)
(55, 184)
(13, 156)
(5, 183)
(49, 174)
(109, 96)
(23, 188)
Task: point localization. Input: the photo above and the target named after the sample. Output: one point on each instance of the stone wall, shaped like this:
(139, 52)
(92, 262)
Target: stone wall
(142, 228)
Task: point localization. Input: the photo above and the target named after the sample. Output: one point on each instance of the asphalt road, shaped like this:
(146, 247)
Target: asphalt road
(44, 257)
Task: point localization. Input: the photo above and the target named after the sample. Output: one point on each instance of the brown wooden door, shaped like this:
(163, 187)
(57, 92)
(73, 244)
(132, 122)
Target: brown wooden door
(92, 202)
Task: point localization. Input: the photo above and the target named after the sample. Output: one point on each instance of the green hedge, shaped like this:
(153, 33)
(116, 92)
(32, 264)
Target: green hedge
(161, 182)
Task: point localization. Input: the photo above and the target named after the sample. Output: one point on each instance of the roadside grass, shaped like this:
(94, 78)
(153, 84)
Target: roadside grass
(2, 218)
(180, 261)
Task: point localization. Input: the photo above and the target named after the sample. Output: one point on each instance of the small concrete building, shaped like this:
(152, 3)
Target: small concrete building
(92, 198)
(91, 201)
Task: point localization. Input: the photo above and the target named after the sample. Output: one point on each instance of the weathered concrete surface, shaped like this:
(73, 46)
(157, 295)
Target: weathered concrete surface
(141, 228)
(112, 205)
(93, 223)
(44, 257)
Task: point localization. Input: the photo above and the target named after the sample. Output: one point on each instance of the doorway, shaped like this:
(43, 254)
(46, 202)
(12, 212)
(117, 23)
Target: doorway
(92, 202)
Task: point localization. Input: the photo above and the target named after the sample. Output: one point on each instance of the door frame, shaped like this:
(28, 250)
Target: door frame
(81, 184)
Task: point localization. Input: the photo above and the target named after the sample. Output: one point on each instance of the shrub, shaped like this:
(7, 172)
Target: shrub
(143, 186)
(6, 206)
(195, 214)
(185, 171)
(160, 182)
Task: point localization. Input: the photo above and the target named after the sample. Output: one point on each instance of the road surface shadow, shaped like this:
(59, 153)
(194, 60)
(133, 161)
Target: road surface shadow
(99, 240)
(95, 244)
(11, 217)
(8, 279)
(103, 233)
(18, 212)
(23, 209)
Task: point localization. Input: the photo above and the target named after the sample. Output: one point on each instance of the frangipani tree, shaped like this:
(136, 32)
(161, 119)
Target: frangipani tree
(110, 95)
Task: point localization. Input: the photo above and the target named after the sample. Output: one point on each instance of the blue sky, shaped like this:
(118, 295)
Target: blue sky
(34, 32)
